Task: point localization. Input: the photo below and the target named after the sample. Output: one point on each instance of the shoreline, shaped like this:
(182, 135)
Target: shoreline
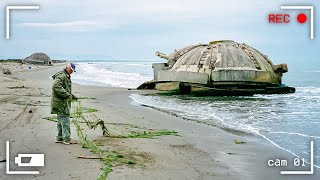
(200, 153)
(267, 142)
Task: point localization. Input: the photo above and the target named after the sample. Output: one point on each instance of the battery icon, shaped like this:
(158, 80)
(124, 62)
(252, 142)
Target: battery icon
(35, 160)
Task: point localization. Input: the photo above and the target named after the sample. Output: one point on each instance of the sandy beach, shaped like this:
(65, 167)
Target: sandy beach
(199, 152)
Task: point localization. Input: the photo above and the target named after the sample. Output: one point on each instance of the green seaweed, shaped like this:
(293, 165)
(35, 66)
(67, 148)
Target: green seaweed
(53, 119)
(239, 142)
(104, 174)
(169, 93)
(83, 110)
(108, 158)
(87, 98)
(147, 134)
(91, 110)
(73, 115)
(129, 162)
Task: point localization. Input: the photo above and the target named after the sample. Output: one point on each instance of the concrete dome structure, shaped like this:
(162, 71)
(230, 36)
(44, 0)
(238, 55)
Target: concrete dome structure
(220, 66)
(38, 58)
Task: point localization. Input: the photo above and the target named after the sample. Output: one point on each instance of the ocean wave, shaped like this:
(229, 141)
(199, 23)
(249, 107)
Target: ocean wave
(312, 71)
(310, 89)
(107, 74)
(191, 110)
(139, 65)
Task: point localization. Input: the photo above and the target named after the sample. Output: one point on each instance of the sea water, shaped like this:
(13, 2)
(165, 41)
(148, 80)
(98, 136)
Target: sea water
(288, 121)
(118, 73)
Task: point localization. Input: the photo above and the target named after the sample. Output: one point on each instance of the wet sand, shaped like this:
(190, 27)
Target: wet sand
(200, 152)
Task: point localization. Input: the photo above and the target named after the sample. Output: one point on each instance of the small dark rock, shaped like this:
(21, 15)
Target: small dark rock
(30, 111)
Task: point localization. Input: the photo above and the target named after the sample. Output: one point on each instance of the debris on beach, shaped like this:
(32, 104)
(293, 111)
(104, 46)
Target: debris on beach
(89, 157)
(5, 70)
(94, 121)
(221, 68)
(239, 142)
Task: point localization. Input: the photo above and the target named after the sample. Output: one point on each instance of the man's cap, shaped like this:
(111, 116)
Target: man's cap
(72, 66)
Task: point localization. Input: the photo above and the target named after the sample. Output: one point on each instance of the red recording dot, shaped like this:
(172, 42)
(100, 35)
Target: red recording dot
(301, 18)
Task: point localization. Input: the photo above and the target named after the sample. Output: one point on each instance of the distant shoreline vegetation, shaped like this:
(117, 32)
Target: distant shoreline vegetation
(11, 60)
(20, 60)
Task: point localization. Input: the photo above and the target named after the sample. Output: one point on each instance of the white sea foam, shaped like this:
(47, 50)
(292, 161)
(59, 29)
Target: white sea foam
(312, 71)
(115, 74)
(139, 65)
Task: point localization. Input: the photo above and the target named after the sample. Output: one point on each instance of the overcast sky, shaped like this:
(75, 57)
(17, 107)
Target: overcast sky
(135, 29)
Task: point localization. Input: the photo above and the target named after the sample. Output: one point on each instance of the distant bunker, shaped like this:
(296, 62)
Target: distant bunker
(221, 68)
(38, 58)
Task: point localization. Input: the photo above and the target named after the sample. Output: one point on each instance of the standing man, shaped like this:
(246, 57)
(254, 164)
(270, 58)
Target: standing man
(61, 102)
